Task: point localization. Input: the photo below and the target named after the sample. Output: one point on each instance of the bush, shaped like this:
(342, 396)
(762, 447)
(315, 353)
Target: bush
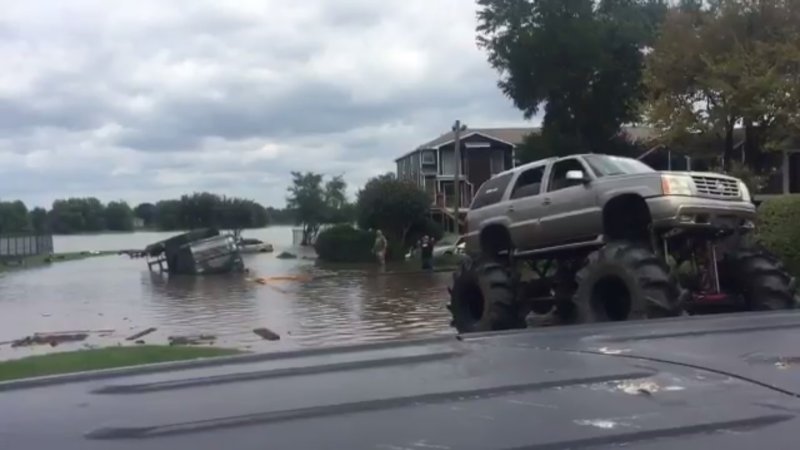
(778, 229)
(343, 243)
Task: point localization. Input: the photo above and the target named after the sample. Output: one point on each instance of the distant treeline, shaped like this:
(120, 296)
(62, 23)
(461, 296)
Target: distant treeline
(86, 215)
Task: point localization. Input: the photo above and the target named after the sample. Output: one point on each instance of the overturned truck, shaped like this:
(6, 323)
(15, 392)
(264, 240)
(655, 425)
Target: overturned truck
(596, 238)
(198, 252)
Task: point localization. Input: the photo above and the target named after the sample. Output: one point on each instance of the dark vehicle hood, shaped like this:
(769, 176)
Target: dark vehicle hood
(715, 382)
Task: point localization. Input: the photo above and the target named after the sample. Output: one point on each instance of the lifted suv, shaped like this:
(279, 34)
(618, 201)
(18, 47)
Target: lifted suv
(594, 237)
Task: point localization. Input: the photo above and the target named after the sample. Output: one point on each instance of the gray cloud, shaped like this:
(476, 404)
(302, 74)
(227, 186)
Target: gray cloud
(150, 99)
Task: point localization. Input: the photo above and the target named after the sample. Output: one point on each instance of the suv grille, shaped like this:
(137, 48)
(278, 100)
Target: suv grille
(716, 187)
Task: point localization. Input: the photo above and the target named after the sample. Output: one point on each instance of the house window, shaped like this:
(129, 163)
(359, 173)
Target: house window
(497, 162)
(428, 157)
(448, 162)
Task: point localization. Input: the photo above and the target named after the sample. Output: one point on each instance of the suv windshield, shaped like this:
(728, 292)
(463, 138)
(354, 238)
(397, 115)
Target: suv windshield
(606, 165)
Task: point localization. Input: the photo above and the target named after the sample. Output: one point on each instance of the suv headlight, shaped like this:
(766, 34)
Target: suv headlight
(677, 185)
(745, 192)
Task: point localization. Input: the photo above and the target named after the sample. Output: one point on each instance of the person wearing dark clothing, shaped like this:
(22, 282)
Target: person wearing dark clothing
(426, 252)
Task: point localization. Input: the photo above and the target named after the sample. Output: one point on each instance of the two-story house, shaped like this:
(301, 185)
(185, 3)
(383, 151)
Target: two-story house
(484, 152)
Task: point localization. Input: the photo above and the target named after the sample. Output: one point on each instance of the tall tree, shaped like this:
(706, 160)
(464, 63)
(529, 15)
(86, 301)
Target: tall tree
(394, 207)
(119, 216)
(38, 217)
(146, 212)
(14, 217)
(723, 64)
(581, 59)
(339, 210)
(307, 200)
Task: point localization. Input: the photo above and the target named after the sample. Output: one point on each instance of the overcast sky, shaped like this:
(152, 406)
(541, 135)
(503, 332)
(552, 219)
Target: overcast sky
(144, 100)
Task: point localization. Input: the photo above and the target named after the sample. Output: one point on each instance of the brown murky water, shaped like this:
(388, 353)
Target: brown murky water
(338, 305)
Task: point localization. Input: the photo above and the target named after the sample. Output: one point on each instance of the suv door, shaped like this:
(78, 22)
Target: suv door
(525, 208)
(571, 212)
(487, 207)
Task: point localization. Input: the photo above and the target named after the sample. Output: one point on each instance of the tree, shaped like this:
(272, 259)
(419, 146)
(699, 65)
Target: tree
(146, 212)
(723, 64)
(119, 216)
(307, 200)
(581, 59)
(76, 215)
(207, 210)
(14, 217)
(38, 218)
(339, 210)
(394, 207)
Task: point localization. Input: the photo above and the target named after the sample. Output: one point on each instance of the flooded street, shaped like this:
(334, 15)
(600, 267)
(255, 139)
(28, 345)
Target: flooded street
(120, 296)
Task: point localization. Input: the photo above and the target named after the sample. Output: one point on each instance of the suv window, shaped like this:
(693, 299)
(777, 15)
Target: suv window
(529, 183)
(491, 191)
(558, 176)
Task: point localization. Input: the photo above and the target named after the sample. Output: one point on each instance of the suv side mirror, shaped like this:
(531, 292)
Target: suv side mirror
(577, 175)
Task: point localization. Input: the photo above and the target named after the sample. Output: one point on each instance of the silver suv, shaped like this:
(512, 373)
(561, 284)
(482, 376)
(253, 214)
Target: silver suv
(584, 199)
(595, 237)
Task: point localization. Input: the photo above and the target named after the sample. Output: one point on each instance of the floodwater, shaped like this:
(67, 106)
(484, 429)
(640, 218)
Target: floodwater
(115, 297)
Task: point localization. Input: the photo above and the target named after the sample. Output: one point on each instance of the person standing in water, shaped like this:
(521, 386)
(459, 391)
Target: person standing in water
(380, 247)
(426, 253)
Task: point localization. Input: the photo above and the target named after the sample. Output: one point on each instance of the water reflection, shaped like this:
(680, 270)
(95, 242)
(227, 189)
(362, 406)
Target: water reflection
(212, 302)
(340, 304)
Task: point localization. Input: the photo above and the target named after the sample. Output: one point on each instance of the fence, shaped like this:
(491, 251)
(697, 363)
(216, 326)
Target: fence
(20, 246)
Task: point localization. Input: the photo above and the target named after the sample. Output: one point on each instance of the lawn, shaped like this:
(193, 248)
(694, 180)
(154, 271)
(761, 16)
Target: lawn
(103, 358)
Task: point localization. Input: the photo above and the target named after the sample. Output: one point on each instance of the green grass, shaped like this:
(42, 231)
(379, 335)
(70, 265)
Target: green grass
(103, 358)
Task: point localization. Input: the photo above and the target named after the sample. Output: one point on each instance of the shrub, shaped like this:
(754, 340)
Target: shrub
(778, 229)
(343, 243)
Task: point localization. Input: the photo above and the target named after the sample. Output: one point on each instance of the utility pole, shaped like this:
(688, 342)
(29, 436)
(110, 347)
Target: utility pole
(458, 127)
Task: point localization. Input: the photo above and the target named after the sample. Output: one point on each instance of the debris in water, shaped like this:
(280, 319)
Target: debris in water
(191, 340)
(782, 365)
(286, 255)
(267, 334)
(140, 334)
(51, 339)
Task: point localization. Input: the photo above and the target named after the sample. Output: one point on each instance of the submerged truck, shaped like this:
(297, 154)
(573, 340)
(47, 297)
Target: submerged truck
(595, 238)
(198, 252)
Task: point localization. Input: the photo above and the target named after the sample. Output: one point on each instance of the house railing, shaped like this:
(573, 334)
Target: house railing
(442, 200)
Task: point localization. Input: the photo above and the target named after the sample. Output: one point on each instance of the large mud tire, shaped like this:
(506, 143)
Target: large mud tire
(626, 281)
(759, 278)
(483, 298)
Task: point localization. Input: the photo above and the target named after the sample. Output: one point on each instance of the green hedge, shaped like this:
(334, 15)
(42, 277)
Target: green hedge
(343, 243)
(779, 229)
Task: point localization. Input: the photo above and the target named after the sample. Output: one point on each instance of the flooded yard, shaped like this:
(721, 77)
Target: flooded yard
(114, 297)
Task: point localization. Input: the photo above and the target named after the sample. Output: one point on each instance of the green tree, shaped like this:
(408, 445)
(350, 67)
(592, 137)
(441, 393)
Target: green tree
(308, 201)
(14, 217)
(76, 215)
(338, 209)
(146, 212)
(726, 63)
(582, 60)
(119, 216)
(38, 218)
(167, 215)
(394, 207)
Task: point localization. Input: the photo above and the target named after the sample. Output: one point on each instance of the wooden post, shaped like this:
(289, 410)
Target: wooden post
(458, 127)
